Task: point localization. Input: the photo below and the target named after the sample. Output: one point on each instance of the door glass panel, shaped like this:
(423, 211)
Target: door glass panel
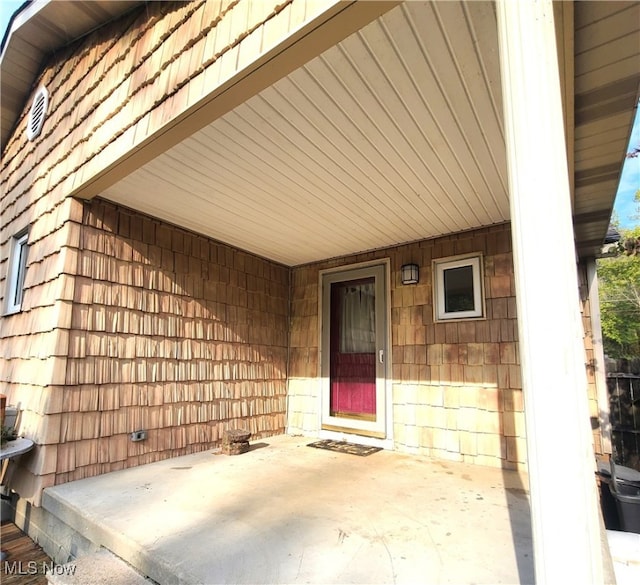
(353, 349)
(357, 317)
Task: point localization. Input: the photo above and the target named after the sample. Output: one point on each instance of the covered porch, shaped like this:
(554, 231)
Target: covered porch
(365, 126)
(288, 513)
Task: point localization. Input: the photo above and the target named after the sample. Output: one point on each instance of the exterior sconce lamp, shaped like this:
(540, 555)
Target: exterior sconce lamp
(409, 274)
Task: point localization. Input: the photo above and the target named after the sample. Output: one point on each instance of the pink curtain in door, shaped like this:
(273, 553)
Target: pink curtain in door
(353, 352)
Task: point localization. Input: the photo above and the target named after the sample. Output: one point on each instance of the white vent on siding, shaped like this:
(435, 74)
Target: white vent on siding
(37, 113)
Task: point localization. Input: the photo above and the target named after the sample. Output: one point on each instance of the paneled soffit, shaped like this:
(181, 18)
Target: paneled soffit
(36, 29)
(394, 134)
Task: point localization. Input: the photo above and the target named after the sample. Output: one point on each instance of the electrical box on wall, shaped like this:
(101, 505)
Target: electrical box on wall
(138, 435)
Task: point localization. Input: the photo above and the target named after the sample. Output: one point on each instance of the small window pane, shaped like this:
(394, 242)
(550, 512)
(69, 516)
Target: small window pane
(458, 289)
(16, 274)
(22, 267)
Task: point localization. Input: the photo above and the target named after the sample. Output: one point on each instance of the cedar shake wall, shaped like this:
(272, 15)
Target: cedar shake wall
(108, 92)
(120, 84)
(173, 333)
(592, 393)
(456, 386)
(170, 332)
(34, 342)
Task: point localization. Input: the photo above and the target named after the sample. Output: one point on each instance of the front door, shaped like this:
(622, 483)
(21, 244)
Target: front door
(354, 344)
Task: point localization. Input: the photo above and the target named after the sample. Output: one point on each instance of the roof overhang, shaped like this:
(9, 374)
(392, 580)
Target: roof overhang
(394, 134)
(36, 29)
(601, 81)
(606, 93)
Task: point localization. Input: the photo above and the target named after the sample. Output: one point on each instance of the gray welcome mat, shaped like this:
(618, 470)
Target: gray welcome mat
(344, 447)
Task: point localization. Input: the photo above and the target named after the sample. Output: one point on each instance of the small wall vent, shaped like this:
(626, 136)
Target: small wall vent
(37, 113)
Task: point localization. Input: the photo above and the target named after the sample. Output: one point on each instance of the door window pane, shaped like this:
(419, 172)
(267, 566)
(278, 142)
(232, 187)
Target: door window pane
(357, 317)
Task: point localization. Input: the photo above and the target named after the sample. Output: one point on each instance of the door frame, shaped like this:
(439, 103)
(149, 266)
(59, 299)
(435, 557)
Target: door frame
(380, 432)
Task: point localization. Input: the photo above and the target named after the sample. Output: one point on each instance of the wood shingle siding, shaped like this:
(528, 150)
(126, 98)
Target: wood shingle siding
(457, 387)
(590, 361)
(123, 82)
(457, 392)
(90, 289)
(164, 330)
(129, 322)
(171, 333)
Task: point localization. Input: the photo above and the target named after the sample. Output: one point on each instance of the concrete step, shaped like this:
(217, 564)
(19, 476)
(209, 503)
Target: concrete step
(625, 554)
(100, 568)
(74, 535)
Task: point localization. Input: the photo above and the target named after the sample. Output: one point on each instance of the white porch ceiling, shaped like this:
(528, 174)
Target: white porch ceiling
(393, 135)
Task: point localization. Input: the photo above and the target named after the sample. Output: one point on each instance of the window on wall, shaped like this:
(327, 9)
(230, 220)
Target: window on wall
(458, 288)
(17, 269)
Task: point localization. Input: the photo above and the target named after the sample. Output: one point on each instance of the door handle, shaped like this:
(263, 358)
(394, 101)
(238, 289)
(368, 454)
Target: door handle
(381, 356)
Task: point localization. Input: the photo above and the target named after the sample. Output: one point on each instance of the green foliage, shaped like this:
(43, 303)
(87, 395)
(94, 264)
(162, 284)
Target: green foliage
(7, 434)
(619, 281)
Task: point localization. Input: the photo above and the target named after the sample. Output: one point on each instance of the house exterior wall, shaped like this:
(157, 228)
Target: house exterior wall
(169, 332)
(128, 322)
(107, 92)
(34, 342)
(456, 386)
(591, 358)
(115, 88)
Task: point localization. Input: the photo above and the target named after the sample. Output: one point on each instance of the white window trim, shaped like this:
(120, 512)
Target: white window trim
(442, 264)
(16, 272)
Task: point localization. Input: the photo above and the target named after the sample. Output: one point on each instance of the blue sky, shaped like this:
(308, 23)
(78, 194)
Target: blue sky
(7, 8)
(625, 206)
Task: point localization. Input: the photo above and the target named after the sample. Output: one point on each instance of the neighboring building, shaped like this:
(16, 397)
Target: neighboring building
(207, 208)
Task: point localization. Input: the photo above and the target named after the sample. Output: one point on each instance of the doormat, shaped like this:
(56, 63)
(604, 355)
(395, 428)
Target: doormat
(344, 447)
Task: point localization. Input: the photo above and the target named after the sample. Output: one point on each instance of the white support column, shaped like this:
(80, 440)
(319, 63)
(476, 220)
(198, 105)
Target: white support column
(564, 505)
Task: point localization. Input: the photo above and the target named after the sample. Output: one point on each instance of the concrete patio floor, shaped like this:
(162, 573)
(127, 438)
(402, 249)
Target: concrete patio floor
(288, 513)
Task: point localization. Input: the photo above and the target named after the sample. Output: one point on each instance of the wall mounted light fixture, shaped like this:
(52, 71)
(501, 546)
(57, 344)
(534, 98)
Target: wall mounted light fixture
(410, 274)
